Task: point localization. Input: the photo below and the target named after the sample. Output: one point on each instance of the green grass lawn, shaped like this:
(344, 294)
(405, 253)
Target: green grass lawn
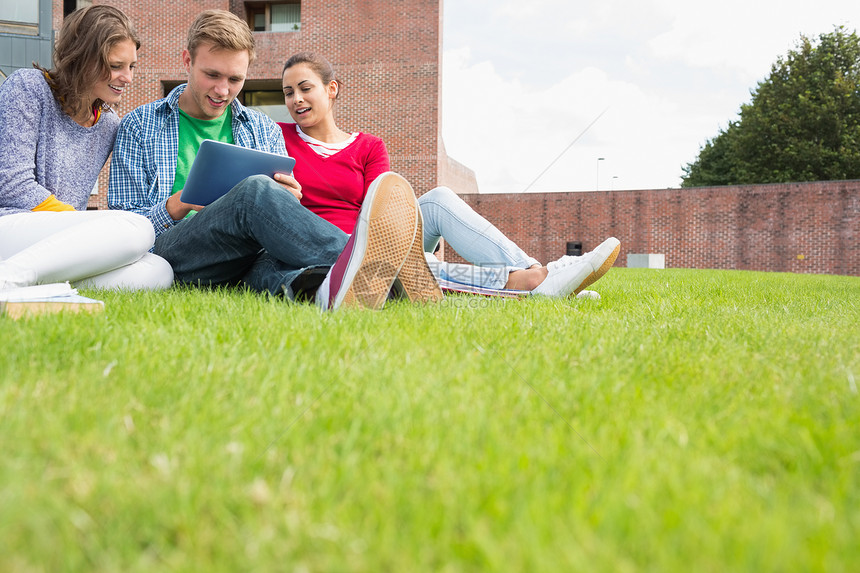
(688, 421)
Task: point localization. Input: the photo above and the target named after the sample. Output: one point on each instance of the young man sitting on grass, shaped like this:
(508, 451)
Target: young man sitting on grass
(258, 234)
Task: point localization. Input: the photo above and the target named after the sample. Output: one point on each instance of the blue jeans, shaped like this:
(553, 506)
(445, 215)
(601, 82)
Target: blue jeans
(257, 234)
(492, 254)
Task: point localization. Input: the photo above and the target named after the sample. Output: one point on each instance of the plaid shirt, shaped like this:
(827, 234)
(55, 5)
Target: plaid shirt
(144, 157)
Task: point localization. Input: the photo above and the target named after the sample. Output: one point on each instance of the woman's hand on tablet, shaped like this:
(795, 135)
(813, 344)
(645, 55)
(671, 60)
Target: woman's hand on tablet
(289, 183)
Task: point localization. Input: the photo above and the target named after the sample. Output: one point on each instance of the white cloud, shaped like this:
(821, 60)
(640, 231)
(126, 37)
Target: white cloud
(521, 82)
(509, 133)
(744, 35)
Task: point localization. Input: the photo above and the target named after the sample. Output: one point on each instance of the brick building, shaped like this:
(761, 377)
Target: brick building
(788, 227)
(388, 55)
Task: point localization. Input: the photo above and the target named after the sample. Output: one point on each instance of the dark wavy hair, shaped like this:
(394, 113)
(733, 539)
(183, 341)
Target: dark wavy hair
(81, 54)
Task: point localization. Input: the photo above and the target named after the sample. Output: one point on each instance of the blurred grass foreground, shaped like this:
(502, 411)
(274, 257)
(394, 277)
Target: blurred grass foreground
(688, 421)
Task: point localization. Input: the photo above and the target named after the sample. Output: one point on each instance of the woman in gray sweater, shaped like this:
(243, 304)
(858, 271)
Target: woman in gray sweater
(57, 129)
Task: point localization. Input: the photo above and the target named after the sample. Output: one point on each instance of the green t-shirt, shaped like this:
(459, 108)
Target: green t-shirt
(192, 132)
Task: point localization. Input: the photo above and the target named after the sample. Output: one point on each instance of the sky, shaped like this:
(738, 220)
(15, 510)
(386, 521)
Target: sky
(535, 92)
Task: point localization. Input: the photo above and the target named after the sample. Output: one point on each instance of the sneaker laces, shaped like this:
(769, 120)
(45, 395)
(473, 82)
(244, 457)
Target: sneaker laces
(564, 261)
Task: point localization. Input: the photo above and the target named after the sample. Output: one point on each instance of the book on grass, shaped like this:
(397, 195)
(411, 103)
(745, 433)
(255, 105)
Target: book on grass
(45, 299)
(456, 287)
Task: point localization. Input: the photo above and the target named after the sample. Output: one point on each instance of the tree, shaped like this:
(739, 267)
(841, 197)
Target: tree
(802, 124)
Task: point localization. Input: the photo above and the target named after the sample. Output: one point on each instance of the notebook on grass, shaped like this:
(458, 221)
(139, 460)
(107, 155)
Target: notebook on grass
(45, 299)
(219, 166)
(455, 287)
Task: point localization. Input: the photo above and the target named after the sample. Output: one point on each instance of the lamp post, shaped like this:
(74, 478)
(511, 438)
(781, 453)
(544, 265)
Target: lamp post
(597, 183)
(612, 183)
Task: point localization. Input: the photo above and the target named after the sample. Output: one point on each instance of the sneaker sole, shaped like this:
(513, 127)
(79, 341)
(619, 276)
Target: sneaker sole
(604, 268)
(391, 224)
(415, 280)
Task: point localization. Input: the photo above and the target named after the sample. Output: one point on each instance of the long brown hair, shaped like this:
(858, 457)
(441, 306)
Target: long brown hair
(81, 54)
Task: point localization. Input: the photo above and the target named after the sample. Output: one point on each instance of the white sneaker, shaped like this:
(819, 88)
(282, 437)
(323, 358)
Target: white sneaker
(571, 274)
(607, 252)
(13, 276)
(565, 275)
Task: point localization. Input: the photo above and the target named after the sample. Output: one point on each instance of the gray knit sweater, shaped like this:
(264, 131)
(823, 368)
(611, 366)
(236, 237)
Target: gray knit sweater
(43, 150)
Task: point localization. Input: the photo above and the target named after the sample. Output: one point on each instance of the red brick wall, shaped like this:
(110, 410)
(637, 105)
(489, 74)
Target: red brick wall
(388, 55)
(793, 227)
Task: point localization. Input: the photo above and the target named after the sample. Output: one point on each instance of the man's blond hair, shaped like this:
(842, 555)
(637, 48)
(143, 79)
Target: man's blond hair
(224, 30)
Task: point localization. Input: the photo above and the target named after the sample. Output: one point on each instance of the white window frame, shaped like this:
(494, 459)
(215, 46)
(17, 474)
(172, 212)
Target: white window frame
(264, 9)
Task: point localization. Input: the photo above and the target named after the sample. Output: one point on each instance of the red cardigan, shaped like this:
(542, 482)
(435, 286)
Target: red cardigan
(334, 187)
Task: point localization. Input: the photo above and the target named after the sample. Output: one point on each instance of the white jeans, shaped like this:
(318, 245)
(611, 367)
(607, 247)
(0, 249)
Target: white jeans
(492, 254)
(93, 249)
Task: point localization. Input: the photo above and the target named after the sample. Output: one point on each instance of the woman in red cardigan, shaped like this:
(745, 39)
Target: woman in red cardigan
(335, 169)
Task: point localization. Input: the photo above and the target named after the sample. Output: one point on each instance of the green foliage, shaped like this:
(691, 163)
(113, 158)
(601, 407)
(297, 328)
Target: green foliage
(688, 421)
(802, 124)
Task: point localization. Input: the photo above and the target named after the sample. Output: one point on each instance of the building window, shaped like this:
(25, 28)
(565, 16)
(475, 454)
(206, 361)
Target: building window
(264, 96)
(267, 101)
(271, 17)
(19, 17)
(70, 6)
(19, 11)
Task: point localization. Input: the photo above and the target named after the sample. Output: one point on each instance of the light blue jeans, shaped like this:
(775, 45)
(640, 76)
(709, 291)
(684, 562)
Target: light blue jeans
(259, 235)
(492, 254)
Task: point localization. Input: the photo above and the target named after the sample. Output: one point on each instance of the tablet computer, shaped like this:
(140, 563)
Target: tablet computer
(219, 166)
